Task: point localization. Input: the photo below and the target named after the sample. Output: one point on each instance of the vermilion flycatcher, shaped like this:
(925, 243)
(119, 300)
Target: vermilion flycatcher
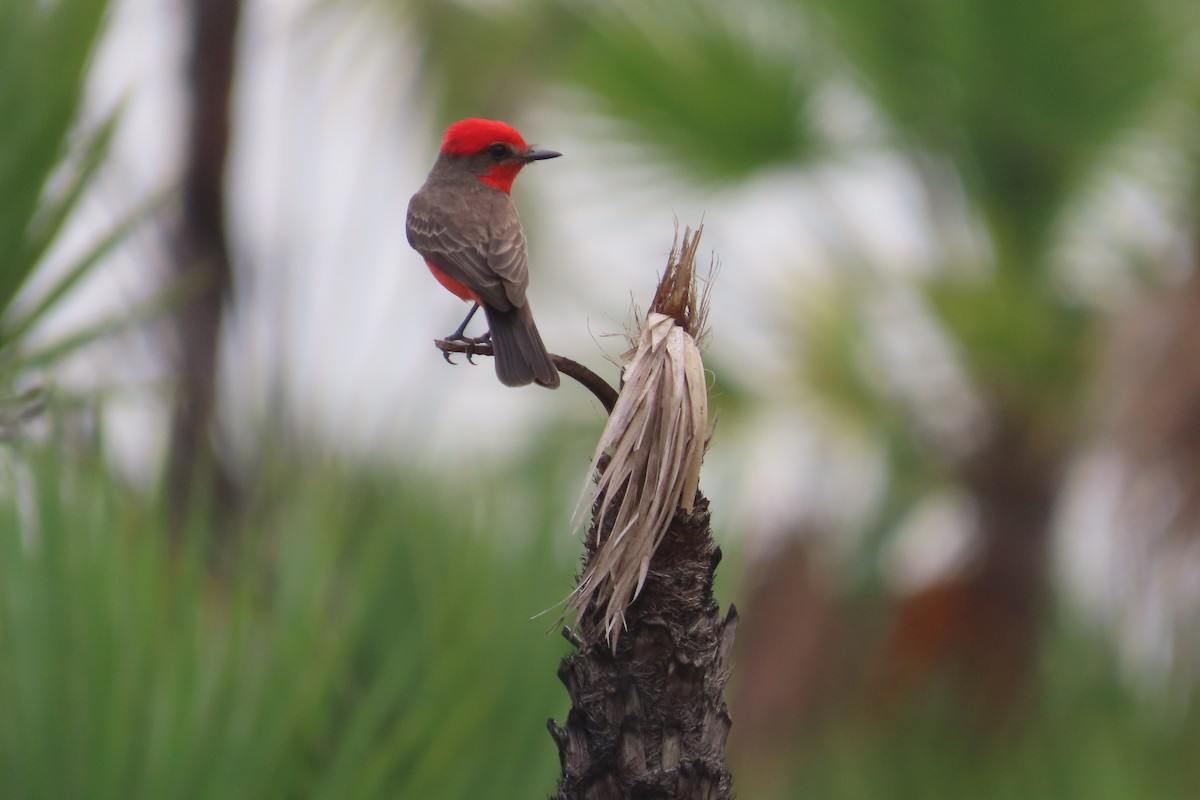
(463, 222)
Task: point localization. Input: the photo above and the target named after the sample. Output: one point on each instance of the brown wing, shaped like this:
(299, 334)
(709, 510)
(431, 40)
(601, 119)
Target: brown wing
(507, 255)
(475, 238)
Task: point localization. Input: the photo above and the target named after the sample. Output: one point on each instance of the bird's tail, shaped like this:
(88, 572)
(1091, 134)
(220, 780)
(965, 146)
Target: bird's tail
(521, 358)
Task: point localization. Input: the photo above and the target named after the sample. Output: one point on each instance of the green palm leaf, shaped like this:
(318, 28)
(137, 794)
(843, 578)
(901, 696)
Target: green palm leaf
(44, 52)
(1021, 96)
(717, 96)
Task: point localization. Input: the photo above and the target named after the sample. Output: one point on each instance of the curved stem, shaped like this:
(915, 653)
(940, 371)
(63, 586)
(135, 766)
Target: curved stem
(589, 380)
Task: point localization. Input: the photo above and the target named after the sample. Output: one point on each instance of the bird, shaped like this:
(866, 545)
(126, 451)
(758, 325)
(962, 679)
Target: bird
(462, 221)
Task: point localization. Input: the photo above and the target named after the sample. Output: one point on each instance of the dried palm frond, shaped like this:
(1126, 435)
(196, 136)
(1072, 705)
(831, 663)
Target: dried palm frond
(654, 444)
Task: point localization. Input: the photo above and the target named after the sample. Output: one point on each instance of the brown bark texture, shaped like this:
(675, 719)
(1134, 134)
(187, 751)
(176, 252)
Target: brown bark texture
(648, 719)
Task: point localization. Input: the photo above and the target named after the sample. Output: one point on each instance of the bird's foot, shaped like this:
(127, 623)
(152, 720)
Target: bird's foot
(469, 341)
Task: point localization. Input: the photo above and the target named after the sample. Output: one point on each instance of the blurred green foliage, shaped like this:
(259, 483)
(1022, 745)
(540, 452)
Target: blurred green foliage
(48, 161)
(44, 52)
(1022, 98)
(365, 640)
(685, 79)
(1090, 736)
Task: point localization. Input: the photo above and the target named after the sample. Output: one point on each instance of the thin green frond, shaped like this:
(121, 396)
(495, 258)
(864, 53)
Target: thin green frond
(59, 202)
(45, 48)
(22, 320)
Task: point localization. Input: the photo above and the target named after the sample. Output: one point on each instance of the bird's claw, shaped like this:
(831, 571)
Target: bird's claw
(469, 342)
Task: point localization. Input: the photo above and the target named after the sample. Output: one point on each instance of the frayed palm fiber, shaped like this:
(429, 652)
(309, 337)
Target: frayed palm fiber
(655, 441)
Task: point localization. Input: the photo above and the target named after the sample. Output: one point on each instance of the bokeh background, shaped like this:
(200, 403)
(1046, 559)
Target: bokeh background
(260, 541)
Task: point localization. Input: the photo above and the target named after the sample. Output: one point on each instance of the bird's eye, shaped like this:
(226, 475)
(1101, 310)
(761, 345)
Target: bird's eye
(499, 151)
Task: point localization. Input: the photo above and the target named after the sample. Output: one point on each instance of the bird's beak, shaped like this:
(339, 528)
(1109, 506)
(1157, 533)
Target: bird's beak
(537, 154)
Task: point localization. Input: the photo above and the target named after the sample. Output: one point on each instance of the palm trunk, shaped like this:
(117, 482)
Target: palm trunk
(649, 720)
(202, 256)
